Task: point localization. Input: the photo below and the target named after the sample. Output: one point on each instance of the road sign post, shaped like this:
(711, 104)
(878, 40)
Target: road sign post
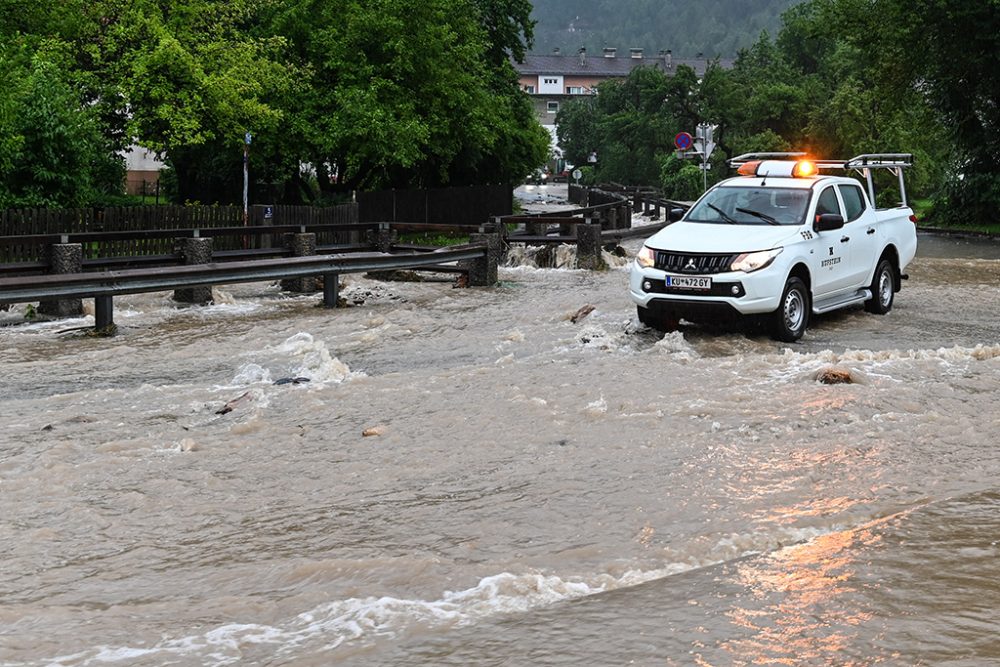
(705, 144)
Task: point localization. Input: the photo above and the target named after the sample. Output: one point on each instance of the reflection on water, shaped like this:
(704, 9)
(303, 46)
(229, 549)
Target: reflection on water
(794, 615)
(536, 491)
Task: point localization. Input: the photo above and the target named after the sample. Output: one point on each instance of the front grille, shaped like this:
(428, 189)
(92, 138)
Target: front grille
(676, 262)
(717, 289)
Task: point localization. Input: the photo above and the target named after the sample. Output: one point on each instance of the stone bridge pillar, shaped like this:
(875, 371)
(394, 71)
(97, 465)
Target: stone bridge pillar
(483, 271)
(588, 246)
(302, 245)
(64, 258)
(195, 251)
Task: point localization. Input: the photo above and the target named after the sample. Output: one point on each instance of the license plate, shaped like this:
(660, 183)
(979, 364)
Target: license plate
(689, 282)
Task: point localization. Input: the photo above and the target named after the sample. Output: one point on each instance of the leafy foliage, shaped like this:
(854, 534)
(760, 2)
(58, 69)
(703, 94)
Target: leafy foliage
(840, 79)
(52, 152)
(391, 93)
(378, 93)
(399, 94)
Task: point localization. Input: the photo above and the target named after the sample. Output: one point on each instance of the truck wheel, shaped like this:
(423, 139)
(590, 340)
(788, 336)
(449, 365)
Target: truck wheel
(789, 321)
(657, 321)
(883, 288)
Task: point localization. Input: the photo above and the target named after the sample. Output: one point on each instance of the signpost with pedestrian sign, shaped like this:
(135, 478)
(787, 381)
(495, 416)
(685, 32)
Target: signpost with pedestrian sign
(577, 175)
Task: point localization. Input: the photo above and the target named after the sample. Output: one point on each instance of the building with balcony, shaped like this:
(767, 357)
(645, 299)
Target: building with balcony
(553, 79)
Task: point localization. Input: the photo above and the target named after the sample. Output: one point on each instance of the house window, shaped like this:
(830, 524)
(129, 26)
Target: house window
(530, 90)
(574, 90)
(554, 82)
(552, 107)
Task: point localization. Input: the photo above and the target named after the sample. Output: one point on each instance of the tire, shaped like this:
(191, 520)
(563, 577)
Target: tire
(658, 321)
(790, 319)
(883, 288)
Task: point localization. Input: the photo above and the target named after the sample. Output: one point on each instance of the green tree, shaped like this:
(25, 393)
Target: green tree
(947, 52)
(399, 93)
(631, 123)
(52, 152)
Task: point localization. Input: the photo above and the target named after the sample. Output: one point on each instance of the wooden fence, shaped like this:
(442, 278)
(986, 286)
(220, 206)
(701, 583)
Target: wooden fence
(469, 205)
(20, 222)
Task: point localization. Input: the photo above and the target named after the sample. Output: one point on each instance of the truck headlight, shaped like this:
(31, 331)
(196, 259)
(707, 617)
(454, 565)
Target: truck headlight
(754, 261)
(646, 257)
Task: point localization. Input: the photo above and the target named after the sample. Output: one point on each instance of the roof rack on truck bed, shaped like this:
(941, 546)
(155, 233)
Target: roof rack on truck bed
(863, 164)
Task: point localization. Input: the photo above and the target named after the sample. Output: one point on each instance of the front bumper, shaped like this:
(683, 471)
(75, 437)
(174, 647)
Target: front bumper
(733, 292)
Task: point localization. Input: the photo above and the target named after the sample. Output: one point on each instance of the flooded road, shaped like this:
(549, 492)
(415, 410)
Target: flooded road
(535, 491)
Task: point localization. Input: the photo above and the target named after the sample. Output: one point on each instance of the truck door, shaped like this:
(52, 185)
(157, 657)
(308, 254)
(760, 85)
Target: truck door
(859, 226)
(832, 250)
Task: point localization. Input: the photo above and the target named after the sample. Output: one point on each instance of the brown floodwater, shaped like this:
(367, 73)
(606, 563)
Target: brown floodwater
(536, 491)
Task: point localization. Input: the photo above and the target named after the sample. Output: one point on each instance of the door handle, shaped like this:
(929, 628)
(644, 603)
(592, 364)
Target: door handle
(870, 231)
(845, 239)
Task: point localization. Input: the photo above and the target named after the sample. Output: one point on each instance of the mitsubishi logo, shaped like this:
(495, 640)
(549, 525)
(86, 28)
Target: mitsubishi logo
(690, 266)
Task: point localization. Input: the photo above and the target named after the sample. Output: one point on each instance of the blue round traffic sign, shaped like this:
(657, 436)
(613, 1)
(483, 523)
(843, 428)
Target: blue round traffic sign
(683, 141)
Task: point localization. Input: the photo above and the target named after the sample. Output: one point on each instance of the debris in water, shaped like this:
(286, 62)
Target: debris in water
(396, 275)
(291, 380)
(231, 405)
(615, 250)
(582, 313)
(374, 430)
(833, 375)
(461, 281)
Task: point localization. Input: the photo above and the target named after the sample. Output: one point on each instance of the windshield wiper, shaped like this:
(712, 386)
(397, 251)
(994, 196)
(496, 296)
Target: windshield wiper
(724, 215)
(757, 214)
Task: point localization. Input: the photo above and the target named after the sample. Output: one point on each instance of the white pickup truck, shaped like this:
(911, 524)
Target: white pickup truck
(781, 241)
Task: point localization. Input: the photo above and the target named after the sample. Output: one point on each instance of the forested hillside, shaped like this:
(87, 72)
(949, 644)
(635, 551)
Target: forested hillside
(712, 27)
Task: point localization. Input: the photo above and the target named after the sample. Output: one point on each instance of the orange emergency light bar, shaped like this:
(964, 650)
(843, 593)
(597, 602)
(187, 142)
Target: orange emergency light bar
(804, 168)
(798, 169)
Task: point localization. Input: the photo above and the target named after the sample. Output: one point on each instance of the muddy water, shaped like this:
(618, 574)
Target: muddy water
(538, 491)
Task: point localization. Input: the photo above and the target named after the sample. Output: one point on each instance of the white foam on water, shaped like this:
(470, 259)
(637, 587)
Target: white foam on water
(521, 256)
(596, 337)
(299, 356)
(792, 363)
(315, 360)
(615, 261)
(565, 257)
(363, 619)
(596, 408)
(675, 345)
(17, 324)
(251, 374)
(230, 307)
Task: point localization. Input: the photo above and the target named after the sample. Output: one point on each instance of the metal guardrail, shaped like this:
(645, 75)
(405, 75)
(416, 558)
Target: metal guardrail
(634, 232)
(135, 281)
(103, 286)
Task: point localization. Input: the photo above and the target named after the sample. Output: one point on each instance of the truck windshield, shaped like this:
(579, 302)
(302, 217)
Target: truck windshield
(751, 206)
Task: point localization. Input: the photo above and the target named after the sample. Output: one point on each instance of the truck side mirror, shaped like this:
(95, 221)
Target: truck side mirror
(828, 221)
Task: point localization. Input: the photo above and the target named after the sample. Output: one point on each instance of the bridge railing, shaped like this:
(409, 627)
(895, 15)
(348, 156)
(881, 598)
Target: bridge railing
(478, 259)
